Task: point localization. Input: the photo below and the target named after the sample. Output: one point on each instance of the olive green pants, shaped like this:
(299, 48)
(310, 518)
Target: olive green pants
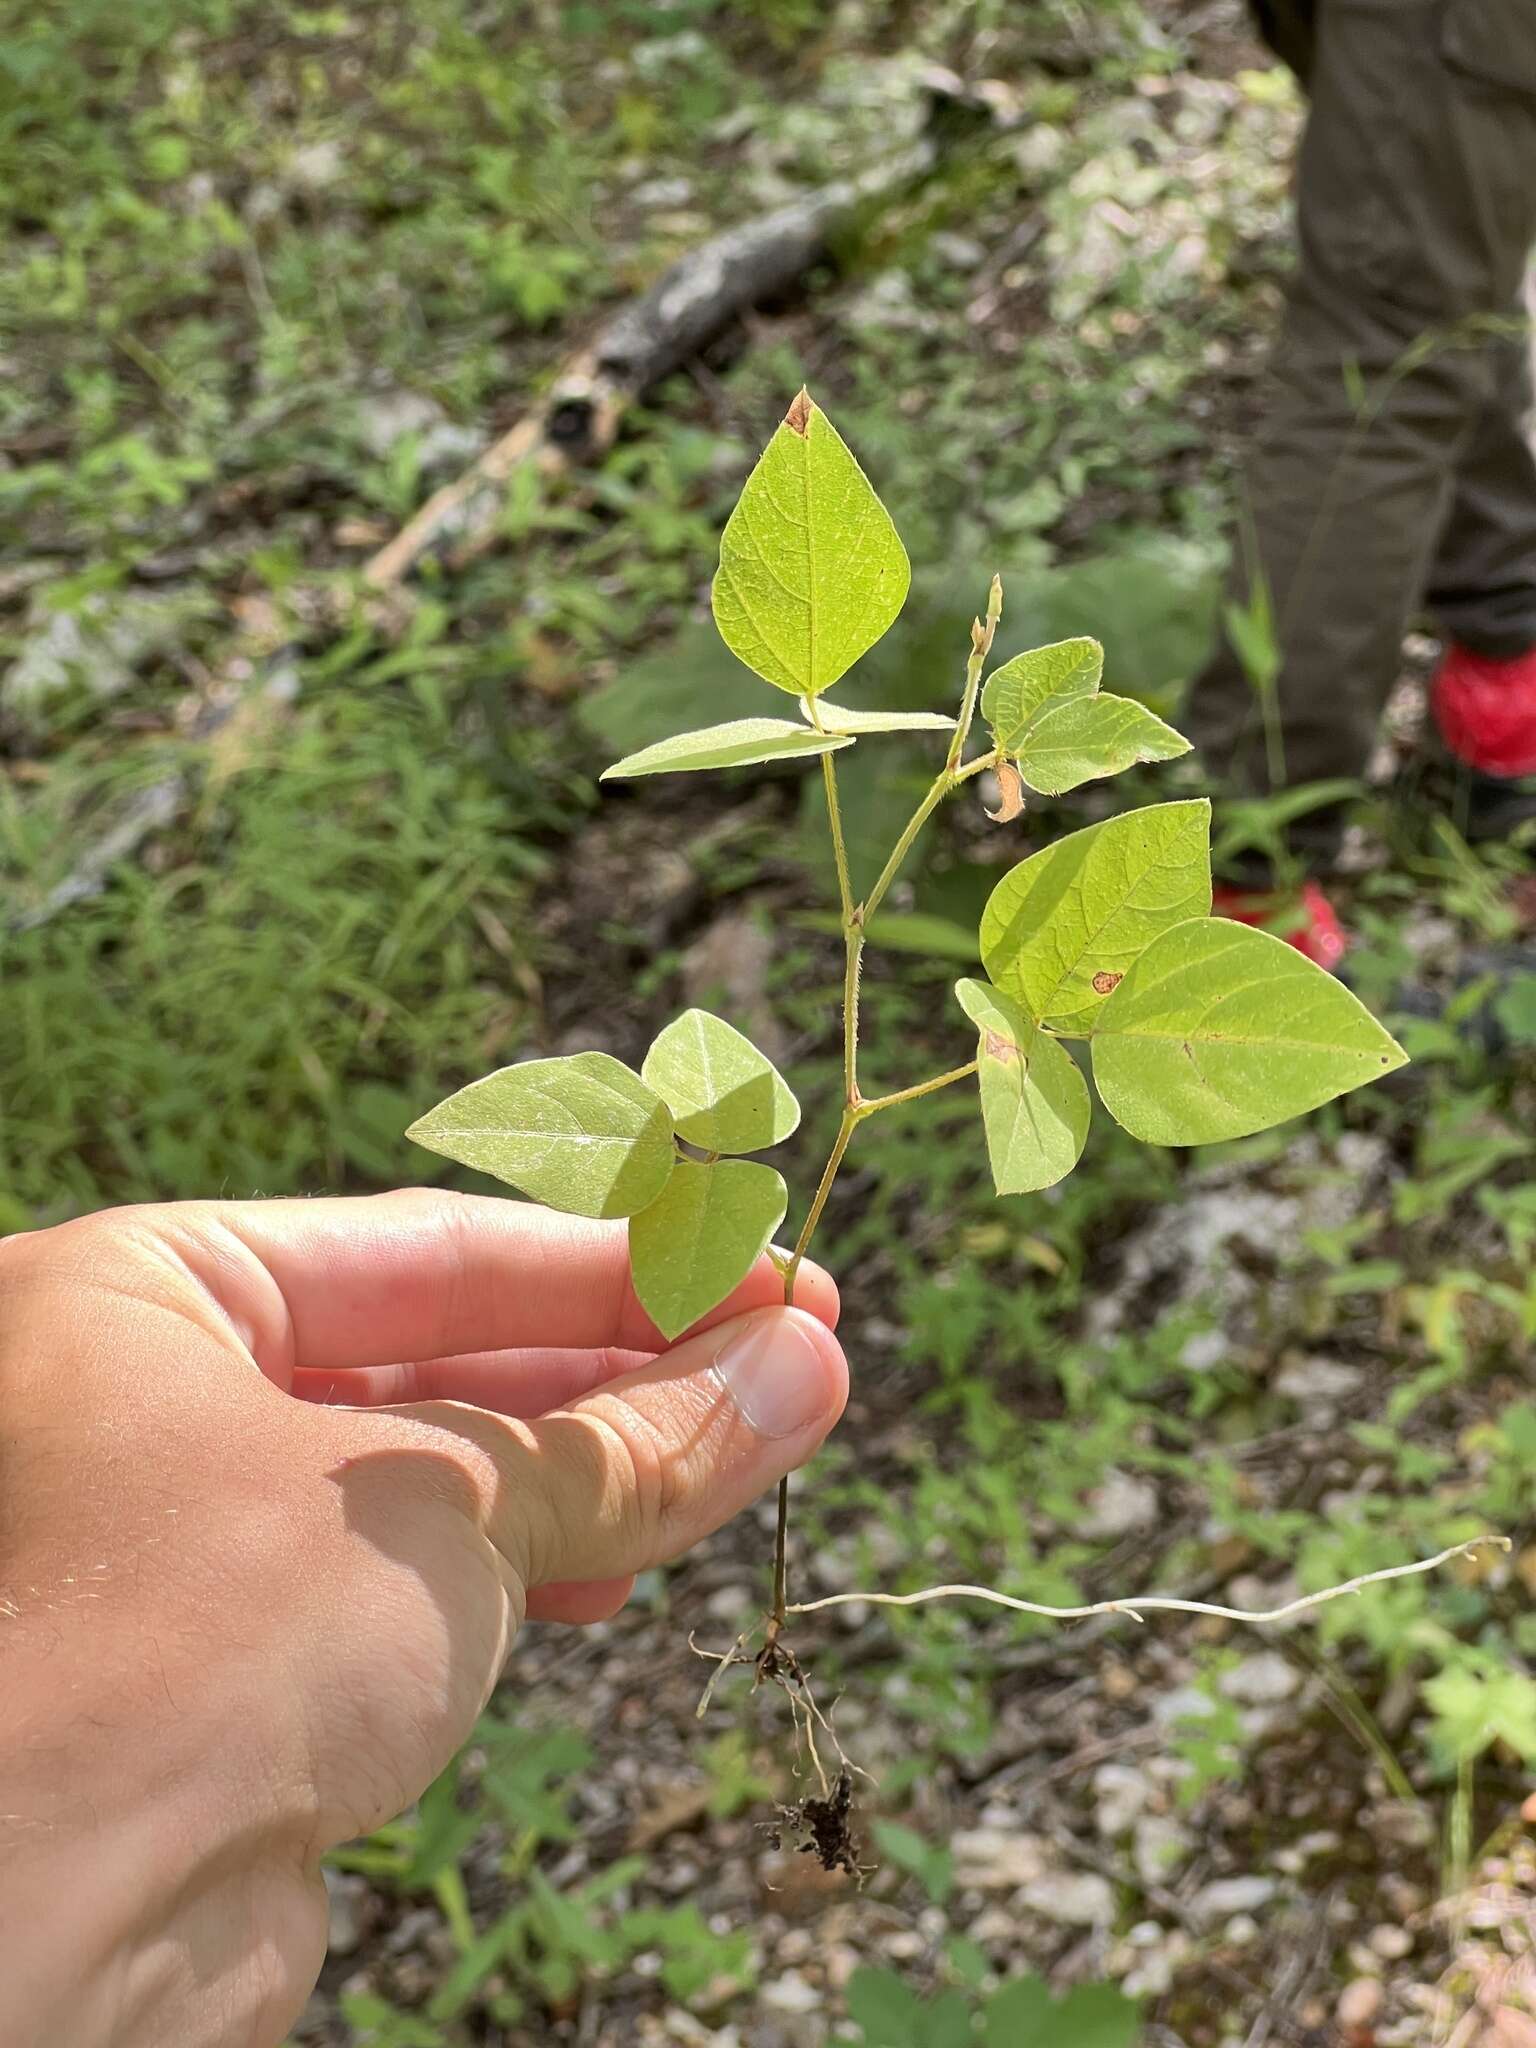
(1392, 470)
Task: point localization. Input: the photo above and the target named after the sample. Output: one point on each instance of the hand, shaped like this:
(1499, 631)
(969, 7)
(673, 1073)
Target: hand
(278, 1483)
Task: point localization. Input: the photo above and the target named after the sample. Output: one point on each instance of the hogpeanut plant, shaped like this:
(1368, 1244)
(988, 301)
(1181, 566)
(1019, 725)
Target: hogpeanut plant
(1196, 1029)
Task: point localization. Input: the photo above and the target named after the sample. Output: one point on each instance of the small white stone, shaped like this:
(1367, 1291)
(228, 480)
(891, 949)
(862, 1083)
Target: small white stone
(1120, 1505)
(1160, 1845)
(1121, 1794)
(904, 1946)
(995, 1925)
(1359, 2003)
(1224, 1896)
(1075, 1898)
(993, 1859)
(1184, 1703)
(1262, 1679)
(1317, 1385)
(791, 1993)
(1391, 1943)
(1207, 1348)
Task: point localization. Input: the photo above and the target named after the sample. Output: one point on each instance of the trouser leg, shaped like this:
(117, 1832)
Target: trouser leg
(1482, 585)
(1290, 29)
(1416, 205)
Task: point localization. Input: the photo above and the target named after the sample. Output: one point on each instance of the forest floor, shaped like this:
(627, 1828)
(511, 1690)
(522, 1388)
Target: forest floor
(275, 273)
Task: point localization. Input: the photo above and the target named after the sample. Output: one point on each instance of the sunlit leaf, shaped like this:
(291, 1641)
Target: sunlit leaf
(1017, 693)
(1219, 1030)
(739, 744)
(841, 718)
(583, 1134)
(1089, 737)
(1061, 929)
(1034, 1103)
(812, 571)
(724, 1095)
(703, 1234)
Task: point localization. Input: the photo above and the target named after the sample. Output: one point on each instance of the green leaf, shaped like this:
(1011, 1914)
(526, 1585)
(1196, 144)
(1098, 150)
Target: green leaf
(707, 1230)
(583, 1134)
(1219, 1030)
(739, 744)
(932, 1866)
(886, 2012)
(1476, 1706)
(724, 1095)
(946, 2022)
(1096, 2016)
(842, 718)
(1034, 1102)
(811, 569)
(1089, 737)
(1017, 693)
(1061, 929)
(1018, 2015)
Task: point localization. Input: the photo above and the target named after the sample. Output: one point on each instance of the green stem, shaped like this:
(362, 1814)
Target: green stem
(931, 1087)
(945, 784)
(856, 918)
(853, 936)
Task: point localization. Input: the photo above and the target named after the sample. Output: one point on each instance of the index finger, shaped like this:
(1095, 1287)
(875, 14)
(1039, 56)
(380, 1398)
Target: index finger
(425, 1273)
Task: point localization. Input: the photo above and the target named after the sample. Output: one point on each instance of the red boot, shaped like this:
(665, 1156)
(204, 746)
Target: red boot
(1486, 710)
(1304, 918)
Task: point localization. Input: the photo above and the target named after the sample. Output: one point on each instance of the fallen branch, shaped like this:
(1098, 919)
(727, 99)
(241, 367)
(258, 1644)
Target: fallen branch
(1165, 1603)
(693, 302)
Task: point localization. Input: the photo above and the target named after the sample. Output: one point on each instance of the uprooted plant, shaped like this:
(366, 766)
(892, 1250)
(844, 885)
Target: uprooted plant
(1198, 1029)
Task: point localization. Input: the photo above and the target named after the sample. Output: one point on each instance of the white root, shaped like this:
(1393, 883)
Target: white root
(1165, 1603)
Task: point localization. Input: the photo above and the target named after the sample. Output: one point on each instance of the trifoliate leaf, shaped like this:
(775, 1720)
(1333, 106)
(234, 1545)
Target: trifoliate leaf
(724, 1095)
(582, 1134)
(811, 569)
(739, 744)
(703, 1234)
(1018, 692)
(1219, 1030)
(1089, 737)
(1034, 1102)
(1060, 930)
(840, 718)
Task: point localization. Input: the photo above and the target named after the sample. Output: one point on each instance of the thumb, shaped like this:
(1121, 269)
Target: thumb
(636, 1473)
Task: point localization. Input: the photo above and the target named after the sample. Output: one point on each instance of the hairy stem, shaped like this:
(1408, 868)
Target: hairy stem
(856, 917)
(921, 1088)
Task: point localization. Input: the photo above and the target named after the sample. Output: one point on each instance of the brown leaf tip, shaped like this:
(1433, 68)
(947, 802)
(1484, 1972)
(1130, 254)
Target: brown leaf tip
(799, 414)
(1104, 982)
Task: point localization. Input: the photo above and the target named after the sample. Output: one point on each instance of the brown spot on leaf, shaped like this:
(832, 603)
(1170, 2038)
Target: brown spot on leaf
(1104, 981)
(799, 414)
(996, 1047)
(1010, 794)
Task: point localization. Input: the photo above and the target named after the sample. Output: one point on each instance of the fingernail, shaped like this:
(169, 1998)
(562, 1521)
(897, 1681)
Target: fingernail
(773, 1372)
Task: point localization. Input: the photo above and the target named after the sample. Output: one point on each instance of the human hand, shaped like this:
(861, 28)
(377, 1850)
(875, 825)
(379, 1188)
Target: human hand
(260, 1566)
